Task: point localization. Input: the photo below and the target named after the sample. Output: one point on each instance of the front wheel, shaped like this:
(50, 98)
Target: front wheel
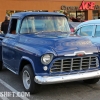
(28, 80)
(92, 81)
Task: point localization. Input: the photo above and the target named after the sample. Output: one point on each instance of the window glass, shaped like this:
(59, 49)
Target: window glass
(97, 32)
(86, 30)
(44, 23)
(18, 25)
(28, 25)
(14, 26)
(95, 14)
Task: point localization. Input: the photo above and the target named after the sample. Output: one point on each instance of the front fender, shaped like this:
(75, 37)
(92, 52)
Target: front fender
(29, 60)
(44, 50)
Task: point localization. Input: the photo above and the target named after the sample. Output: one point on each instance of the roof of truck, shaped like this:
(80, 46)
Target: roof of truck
(23, 14)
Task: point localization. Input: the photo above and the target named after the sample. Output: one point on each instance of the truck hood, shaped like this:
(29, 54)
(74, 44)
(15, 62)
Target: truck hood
(60, 43)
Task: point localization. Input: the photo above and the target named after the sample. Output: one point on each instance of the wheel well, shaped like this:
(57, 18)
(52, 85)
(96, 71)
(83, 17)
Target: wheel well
(23, 63)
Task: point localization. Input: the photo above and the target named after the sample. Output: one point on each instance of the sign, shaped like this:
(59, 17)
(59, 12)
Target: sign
(87, 5)
(84, 6)
(69, 8)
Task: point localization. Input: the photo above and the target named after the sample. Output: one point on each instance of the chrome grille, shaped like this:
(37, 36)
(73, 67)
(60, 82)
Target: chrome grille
(75, 64)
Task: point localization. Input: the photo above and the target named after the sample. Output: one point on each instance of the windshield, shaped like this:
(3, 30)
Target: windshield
(32, 24)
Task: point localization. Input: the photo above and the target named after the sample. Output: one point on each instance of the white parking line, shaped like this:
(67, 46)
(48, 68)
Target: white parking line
(12, 89)
(4, 98)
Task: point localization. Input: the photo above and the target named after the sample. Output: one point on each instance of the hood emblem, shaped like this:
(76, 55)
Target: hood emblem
(80, 54)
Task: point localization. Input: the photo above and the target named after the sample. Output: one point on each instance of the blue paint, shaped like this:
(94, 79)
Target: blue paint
(32, 47)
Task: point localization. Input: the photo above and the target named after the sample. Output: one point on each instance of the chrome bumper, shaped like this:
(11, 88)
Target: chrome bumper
(66, 78)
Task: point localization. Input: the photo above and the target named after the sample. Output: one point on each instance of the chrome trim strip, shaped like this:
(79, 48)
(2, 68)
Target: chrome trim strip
(89, 62)
(66, 78)
(71, 64)
(62, 65)
(81, 64)
(78, 52)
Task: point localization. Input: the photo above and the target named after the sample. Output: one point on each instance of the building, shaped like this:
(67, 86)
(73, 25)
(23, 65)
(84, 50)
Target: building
(86, 9)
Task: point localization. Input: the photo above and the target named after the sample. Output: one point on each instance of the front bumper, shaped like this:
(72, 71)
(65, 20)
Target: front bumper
(66, 78)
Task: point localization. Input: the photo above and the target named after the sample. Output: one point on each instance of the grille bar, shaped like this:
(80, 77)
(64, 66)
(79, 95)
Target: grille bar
(74, 64)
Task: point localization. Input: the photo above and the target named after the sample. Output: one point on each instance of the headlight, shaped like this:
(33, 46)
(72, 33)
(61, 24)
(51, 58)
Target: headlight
(46, 59)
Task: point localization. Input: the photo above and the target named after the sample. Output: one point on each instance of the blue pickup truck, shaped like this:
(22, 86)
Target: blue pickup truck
(37, 46)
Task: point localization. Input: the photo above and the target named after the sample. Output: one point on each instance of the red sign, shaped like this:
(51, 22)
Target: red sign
(87, 5)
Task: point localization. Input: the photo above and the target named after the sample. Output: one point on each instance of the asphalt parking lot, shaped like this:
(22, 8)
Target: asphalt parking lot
(10, 82)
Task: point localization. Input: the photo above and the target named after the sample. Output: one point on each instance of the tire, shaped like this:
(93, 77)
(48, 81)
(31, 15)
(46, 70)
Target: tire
(92, 81)
(1, 65)
(28, 80)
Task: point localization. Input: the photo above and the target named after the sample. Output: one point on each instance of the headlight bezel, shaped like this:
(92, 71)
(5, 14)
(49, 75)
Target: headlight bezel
(44, 57)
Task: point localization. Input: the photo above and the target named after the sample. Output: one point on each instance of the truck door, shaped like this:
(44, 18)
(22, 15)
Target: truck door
(10, 57)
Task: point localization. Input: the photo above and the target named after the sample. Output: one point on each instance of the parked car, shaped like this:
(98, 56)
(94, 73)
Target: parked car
(89, 29)
(73, 25)
(37, 46)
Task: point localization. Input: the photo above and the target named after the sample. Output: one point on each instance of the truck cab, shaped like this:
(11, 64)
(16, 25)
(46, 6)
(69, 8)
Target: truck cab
(38, 47)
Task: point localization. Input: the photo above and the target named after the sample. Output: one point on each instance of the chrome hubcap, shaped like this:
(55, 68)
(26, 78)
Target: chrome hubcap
(26, 79)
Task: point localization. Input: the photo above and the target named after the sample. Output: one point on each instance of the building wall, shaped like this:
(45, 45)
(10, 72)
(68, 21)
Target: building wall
(49, 5)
